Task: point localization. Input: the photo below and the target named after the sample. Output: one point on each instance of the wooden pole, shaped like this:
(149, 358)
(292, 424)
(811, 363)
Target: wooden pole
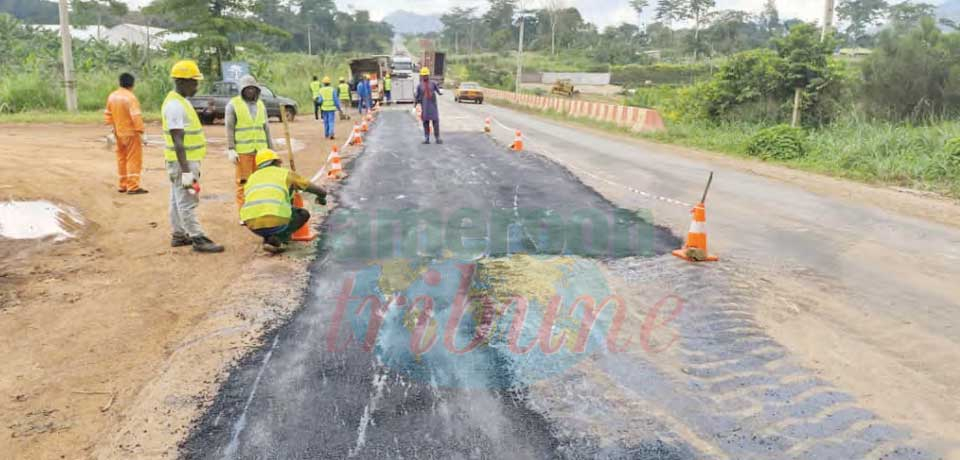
(707, 189)
(286, 136)
(796, 107)
(827, 19)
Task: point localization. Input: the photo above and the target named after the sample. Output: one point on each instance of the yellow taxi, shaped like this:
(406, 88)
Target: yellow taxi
(469, 91)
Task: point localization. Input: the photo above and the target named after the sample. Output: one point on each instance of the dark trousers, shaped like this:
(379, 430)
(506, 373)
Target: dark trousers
(283, 233)
(426, 129)
(316, 110)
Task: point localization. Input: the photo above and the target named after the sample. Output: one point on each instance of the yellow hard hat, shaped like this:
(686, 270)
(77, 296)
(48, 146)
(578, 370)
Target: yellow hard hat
(342, 79)
(266, 156)
(424, 72)
(186, 70)
(326, 79)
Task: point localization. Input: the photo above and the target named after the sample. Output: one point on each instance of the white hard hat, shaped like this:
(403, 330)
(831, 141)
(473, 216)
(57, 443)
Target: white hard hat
(247, 81)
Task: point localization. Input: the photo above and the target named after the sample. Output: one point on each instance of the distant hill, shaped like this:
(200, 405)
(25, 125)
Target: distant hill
(405, 22)
(32, 11)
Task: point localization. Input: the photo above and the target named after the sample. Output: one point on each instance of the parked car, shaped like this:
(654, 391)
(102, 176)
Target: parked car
(213, 106)
(469, 91)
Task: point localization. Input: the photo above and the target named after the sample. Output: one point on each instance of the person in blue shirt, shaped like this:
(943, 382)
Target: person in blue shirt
(364, 94)
(329, 102)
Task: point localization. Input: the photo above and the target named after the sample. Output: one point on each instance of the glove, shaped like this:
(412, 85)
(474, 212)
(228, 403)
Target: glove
(322, 199)
(187, 179)
(232, 156)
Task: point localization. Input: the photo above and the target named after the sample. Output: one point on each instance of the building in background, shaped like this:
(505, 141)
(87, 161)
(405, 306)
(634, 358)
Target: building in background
(132, 34)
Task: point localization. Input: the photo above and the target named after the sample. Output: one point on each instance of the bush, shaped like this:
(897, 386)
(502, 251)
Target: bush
(781, 142)
(952, 149)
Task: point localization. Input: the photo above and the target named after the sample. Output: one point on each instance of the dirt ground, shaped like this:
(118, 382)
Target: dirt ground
(73, 382)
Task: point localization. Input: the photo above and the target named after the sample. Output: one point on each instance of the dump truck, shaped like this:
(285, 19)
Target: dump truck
(435, 61)
(376, 67)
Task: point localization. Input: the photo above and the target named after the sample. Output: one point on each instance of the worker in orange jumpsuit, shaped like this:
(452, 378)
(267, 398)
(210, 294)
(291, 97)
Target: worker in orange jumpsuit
(123, 115)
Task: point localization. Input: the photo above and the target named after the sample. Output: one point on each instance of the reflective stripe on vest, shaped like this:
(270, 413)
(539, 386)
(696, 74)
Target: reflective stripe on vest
(266, 194)
(387, 84)
(194, 141)
(315, 89)
(329, 105)
(344, 92)
(249, 136)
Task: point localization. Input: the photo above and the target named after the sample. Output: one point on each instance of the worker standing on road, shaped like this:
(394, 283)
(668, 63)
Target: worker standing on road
(387, 87)
(315, 92)
(123, 115)
(248, 132)
(268, 211)
(186, 147)
(329, 102)
(344, 91)
(364, 94)
(426, 97)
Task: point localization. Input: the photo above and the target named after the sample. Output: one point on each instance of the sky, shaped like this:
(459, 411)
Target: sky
(600, 12)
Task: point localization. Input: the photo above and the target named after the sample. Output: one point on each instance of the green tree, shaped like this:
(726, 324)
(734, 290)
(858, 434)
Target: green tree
(98, 13)
(214, 22)
(770, 18)
(913, 74)
(907, 15)
(860, 14)
(806, 56)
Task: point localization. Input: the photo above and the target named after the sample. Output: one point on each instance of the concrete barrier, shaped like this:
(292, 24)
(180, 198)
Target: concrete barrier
(634, 118)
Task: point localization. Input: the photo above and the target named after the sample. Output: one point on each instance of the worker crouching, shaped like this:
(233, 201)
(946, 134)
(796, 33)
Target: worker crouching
(267, 210)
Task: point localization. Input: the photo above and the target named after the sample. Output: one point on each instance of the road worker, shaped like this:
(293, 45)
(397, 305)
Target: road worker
(124, 117)
(185, 147)
(387, 87)
(329, 102)
(344, 90)
(364, 94)
(268, 211)
(248, 131)
(315, 92)
(426, 97)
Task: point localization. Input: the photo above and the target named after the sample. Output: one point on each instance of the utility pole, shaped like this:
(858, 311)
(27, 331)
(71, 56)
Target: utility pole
(520, 50)
(309, 41)
(66, 43)
(827, 19)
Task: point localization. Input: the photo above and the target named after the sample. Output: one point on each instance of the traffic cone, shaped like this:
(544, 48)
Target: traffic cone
(356, 138)
(369, 118)
(306, 232)
(517, 142)
(364, 127)
(695, 250)
(336, 168)
(486, 125)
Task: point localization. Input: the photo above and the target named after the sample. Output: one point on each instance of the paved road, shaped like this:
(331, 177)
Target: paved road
(441, 222)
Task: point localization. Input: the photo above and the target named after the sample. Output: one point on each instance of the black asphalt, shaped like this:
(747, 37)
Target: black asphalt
(298, 397)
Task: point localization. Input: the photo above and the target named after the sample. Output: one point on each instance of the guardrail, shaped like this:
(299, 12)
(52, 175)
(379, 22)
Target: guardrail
(635, 118)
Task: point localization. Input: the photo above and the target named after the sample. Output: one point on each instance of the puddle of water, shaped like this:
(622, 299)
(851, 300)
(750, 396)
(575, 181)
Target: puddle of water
(38, 219)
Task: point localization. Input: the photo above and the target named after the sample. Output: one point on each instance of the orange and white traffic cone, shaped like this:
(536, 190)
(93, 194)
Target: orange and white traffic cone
(306, 232)
(695, 249)
(336, 168)
(356, 138)
(364, 127)
(486, 125)
(517, 145)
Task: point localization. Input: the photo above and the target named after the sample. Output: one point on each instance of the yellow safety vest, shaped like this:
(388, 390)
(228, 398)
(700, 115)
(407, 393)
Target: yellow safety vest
(249, 135)
(344, 92)
(329, 104)
(315, 89)
(194, 141)
(387, 84)
(266, 194)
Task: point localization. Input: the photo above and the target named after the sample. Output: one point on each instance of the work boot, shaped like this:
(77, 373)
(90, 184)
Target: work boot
(180, 240)
(273, 245)
(138, 191)
(204, 244)
(439, 141)
(426, 141)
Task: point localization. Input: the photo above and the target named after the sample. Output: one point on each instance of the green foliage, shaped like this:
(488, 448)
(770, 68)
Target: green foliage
(32, 11)
(913, 75)
(781, 142)
(952, 149)
(860, 15)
